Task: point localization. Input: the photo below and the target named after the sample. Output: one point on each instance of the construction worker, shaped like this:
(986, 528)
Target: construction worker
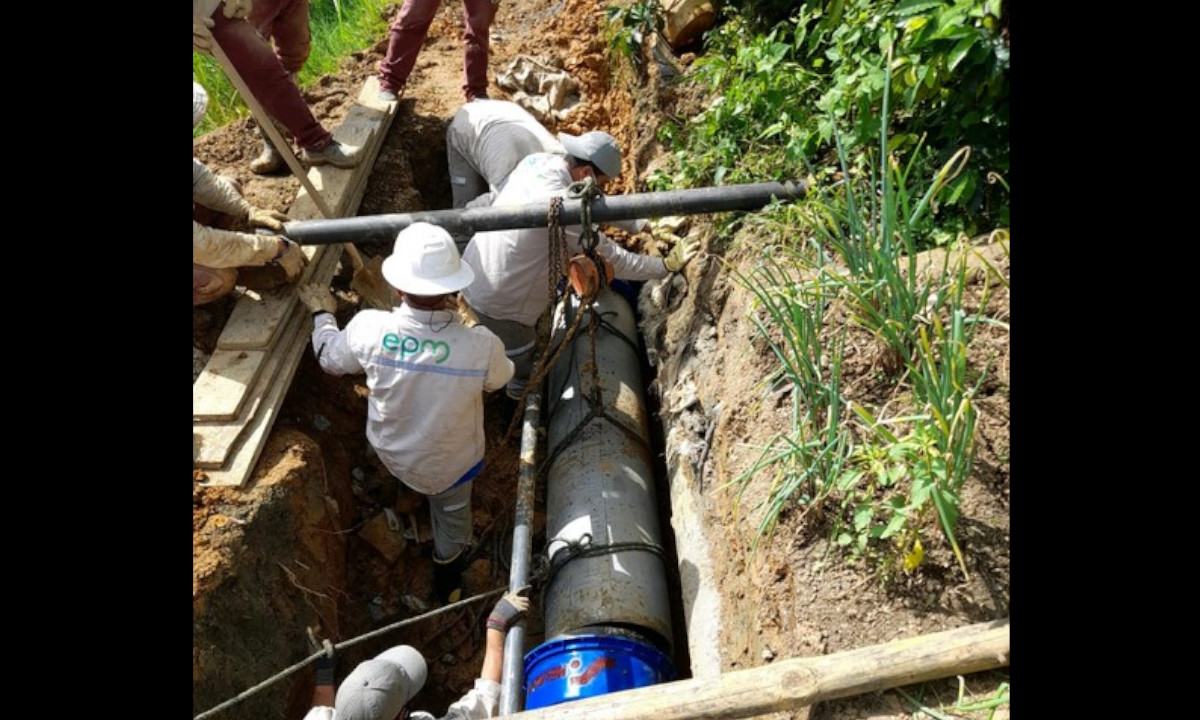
(426, 374)
(382, 688)
(221, 256)
(511, 267)
(407, 34)
(265, 76)
(484, 142)
(285, 24)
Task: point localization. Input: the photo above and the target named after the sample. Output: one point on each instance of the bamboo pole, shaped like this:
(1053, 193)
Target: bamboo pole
(791, 684)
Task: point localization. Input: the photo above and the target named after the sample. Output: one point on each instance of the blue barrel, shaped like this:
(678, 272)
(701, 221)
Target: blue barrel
(581, 667)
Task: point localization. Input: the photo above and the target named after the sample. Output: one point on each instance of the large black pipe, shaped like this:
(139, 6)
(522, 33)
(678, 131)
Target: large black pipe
(383, 228)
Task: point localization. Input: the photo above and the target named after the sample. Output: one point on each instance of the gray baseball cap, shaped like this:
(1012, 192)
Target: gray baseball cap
(598, 148)
(378, 689)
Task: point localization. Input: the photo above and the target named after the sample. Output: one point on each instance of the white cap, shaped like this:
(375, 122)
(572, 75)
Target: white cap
(378, 689)
(199, 102)
(425, 261)
(598, 148)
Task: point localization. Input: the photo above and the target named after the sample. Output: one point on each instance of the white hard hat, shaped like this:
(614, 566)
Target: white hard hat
(199, 102)
(598, 148)
(425, 261)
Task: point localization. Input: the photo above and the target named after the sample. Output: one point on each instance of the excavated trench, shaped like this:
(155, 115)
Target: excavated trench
(326, 540)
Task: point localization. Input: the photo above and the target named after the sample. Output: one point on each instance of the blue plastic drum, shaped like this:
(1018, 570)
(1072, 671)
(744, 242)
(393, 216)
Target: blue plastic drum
(582, 667)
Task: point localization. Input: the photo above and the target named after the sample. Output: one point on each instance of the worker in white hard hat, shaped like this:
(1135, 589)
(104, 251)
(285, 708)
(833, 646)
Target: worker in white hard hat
(511, 267)
(223, 257)
(426, 374)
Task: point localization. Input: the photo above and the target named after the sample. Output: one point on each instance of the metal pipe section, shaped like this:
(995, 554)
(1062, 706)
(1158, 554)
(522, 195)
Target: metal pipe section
(512, 671)
(383, 228)
(601, 485)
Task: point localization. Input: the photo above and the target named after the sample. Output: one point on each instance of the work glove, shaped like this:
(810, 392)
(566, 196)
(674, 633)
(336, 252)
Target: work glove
(202, 38)
(316, 298)
(325, 670)
(684, 250)
(270, 219)
(236, 8)
(291, 258)
(511, 608)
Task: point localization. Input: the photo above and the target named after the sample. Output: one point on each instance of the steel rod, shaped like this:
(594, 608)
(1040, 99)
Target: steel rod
(512, 671)
(383, 228)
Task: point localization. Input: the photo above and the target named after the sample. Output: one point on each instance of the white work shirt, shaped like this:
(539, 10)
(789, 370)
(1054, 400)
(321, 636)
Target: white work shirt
(495, 135)
(426, 374)
(481, 701)
(216, 248)
(511, 266)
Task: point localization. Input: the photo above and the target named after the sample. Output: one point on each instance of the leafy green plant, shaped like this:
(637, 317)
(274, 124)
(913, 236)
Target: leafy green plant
(895, 475)
(338, 28)
(779, 94)
(631, 26)
(962, 707)
(816, 446)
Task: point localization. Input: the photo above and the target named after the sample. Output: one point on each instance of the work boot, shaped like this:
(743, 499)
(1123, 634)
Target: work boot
(269, 160)
(449, 579)
(389, 95)
(335, 154)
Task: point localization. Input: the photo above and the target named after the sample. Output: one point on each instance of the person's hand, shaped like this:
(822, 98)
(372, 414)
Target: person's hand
(270, 219)
(211, 286)
(316, 298)
(684, 250)
(325, 670)
(291, 258)
(511, 608)
(236, 8)
(202, 38)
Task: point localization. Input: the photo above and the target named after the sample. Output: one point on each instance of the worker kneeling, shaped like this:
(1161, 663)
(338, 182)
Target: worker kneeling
(426, 375)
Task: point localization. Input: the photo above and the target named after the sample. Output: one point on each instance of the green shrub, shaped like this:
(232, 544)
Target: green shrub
(779, 94)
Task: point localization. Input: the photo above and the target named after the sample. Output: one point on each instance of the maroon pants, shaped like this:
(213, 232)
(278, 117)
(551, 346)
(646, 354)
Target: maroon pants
(407, 35)
(285, 23)
(266, 77)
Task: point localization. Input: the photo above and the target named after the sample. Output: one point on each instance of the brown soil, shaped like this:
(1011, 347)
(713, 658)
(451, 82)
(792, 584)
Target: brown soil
(286, 553)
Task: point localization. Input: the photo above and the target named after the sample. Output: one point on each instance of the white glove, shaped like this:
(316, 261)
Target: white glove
(291, 259)
(202, 38)
(316, 298)
(236, 8)
(684, 250)
(270, 219)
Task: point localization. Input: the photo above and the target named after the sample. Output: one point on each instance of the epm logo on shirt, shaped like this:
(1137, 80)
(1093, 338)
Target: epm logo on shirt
(408, 345)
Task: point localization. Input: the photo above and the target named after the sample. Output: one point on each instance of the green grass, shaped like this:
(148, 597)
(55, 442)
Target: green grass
(339, 28)
(813, 451)
(892, 475)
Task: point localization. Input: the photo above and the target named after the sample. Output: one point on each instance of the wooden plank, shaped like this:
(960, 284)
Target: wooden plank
(791, 684)
(246, 453)
(213, 443)
(365, 124)
(290, 350)
(220, 391)
(229, 404)
(256, 320)
(227, 451)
